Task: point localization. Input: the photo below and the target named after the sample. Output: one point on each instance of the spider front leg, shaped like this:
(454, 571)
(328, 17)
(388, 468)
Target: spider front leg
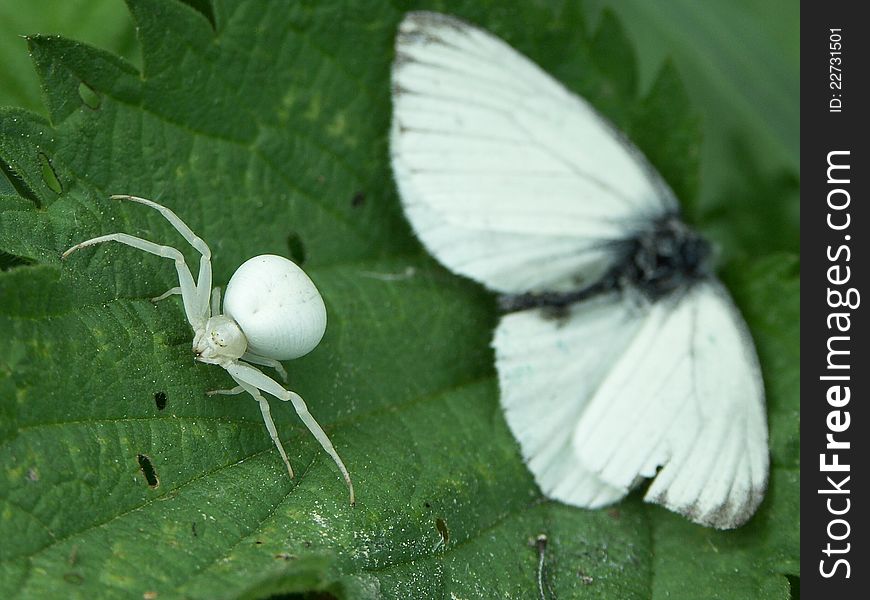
(195, 294)
(231, 392)
(170, 292)
(216, 301)
(249, 376)
(203, 282)
(187, 287)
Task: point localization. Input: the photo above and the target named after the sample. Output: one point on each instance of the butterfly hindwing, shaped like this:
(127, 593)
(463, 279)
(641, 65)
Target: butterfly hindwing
(684, 397)
(547, 377)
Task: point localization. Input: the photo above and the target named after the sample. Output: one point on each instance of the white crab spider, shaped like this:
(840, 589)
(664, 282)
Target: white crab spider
(272, 312)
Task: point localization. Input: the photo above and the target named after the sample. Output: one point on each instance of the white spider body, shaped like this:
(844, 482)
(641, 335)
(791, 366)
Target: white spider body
(272, 312)
(277, 306)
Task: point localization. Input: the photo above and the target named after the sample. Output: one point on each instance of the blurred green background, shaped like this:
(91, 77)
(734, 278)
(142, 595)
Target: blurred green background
(102, 23)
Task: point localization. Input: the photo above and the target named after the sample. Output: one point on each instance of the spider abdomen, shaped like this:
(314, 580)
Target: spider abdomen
(277, 307)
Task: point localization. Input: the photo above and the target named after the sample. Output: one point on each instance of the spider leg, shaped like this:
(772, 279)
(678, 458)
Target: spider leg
(232, 392)
(267, 418)
(266, 362)
(216, 301)
(203, 282)
(188, 288)
(166, 294)
(251, 376)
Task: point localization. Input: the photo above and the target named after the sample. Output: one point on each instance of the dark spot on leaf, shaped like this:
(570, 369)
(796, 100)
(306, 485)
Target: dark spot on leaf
(614, 513)
(794, 587)
(73, 578)
(148, 470)
(285, 556)
(441, 526)
(49, 176)
(358, 199)
(258, 542)
(584, 578)
(160, 400)
(427, 505)
(296, 248)
(89, 96)
(193, 529)
(19, 184)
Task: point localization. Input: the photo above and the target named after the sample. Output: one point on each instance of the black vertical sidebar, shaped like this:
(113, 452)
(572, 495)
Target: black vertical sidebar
(835, 224)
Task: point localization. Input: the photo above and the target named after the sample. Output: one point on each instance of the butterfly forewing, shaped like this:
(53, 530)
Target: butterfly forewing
(500, 167)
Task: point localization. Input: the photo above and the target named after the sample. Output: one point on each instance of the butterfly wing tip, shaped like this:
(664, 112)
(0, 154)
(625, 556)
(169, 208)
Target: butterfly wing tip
(729, 514)
(417, 20)
(414, 20)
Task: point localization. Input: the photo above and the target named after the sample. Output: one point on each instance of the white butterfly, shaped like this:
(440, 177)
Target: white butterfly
(621, 356)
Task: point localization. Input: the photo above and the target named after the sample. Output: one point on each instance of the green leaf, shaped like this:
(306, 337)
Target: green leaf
(264, 125)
